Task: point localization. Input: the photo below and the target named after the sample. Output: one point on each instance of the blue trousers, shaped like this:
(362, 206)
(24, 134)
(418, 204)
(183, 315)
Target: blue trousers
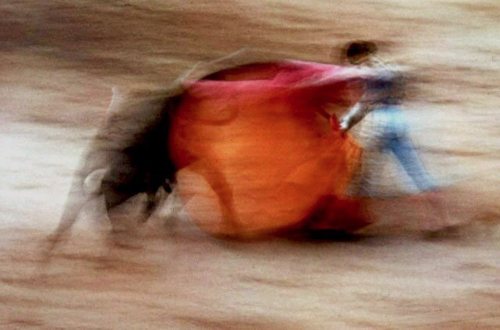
(392, 137)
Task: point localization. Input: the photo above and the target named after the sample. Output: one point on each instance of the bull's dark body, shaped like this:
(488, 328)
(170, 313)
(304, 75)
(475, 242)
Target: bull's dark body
(131, 148)
(143, 165)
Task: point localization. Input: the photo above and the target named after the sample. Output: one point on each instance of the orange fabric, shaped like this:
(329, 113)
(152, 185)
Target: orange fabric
(255, 154)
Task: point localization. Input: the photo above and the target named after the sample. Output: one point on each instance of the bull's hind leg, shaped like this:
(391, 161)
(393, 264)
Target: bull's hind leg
(83, 192)
(70, 214)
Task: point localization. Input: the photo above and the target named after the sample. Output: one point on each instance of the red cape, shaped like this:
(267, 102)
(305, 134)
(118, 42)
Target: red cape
(256, 153)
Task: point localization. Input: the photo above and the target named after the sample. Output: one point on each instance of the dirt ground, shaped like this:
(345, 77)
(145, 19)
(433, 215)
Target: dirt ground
(58, 62)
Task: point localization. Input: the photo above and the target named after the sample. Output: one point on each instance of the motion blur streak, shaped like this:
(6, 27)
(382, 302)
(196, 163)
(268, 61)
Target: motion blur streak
(59, 60)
